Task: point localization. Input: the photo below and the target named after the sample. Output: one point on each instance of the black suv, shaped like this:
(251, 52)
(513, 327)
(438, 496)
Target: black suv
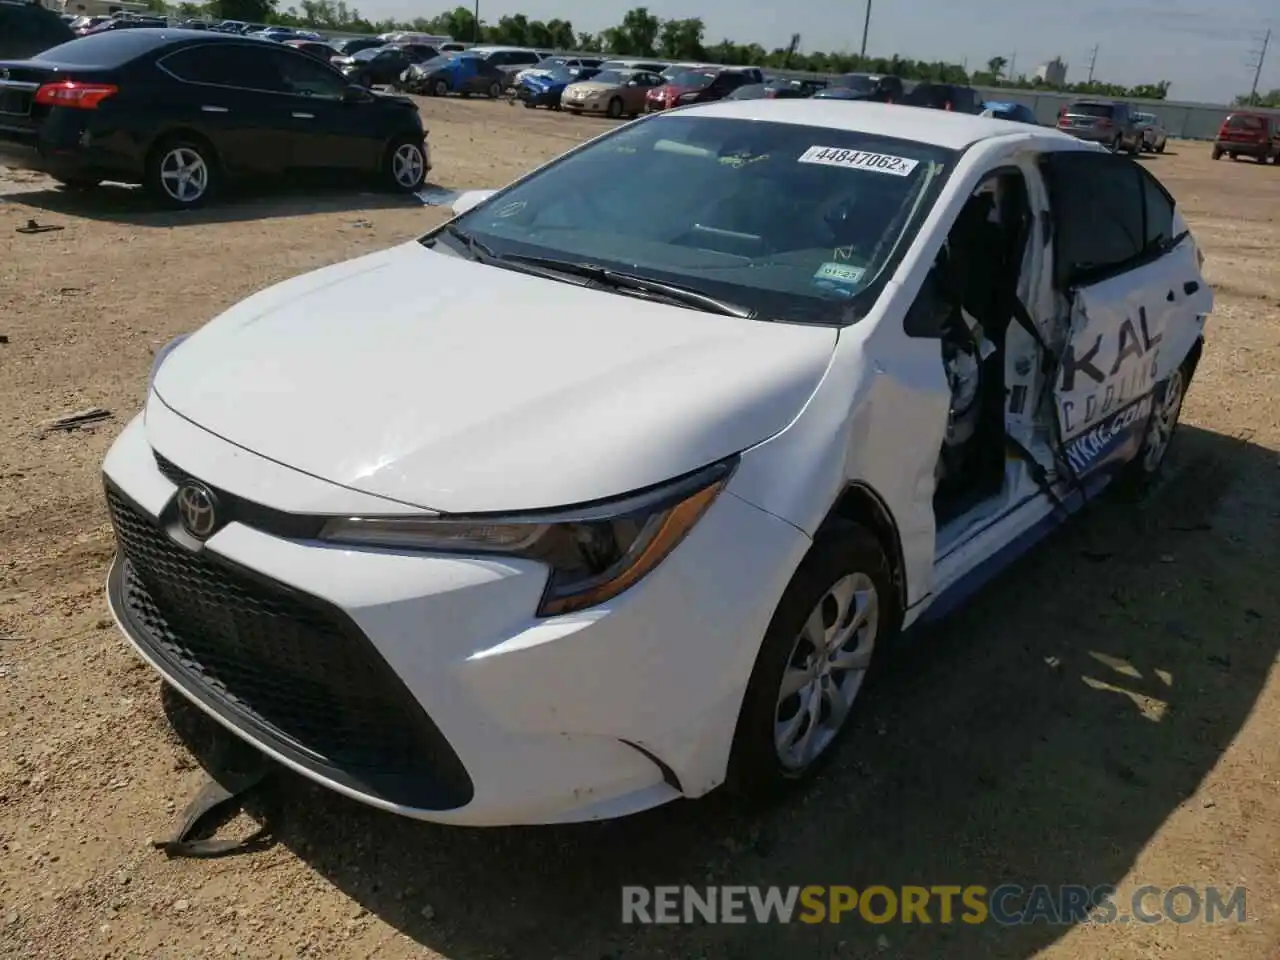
(944, 96)
(28, 28)
(180, 111)
(875, 87)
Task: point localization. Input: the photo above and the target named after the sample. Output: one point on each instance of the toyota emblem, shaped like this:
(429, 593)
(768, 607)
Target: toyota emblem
(197, 508)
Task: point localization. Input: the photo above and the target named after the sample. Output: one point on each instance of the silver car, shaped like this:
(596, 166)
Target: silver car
(1154, 135)
(1108, 122)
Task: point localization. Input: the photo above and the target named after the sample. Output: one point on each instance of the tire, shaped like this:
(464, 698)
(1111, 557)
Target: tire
(614, 109)
(440, 88)
(78, 184)
(494, 91)
(1116, 144)
(400, 172)
(1160, 149)
(167, 162)
(1140, 474)
(768, 755)
(1234, 156)
(1217, 154)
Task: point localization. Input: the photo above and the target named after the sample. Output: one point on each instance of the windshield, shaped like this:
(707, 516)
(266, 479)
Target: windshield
(435, 63)
(794, 222)
(691, 78)
(368, 53)
(1144, 117)
(616, 77)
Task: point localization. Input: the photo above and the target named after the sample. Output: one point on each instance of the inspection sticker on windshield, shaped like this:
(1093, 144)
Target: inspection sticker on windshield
(859, 160)
(839, 273)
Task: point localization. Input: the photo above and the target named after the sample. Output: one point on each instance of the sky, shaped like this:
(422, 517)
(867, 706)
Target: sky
(1205, 50)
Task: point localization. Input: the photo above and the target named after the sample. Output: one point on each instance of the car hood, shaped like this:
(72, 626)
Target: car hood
(590, 87)
(454, 386)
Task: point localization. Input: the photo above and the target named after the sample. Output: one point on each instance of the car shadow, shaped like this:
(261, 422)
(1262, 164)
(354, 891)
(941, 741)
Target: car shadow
(1042, 735)
(118, 203)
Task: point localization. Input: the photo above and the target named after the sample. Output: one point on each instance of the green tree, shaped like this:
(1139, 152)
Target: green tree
(1269, 99)
(681, 39)
(636, 35)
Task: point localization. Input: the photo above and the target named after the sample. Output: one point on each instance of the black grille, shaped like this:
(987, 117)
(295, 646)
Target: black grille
(284, 666)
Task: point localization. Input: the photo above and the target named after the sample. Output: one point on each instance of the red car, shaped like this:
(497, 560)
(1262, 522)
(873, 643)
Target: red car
(697, 86)
(1254, 135)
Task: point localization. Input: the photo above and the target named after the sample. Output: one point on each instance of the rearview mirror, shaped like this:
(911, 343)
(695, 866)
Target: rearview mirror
(470, 199)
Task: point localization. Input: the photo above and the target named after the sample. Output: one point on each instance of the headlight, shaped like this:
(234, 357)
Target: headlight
(161, 355)
(594, 552)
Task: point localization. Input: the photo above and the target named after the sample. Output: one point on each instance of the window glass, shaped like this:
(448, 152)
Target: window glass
(223, 64)
(1099, 207)
(308, 78)
(1159, 210)
(1092, 109)
(794, 221)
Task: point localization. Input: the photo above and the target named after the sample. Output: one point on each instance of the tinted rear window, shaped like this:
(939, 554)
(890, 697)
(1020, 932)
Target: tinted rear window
(1244, 123)
(1092, 109)
(110, 49)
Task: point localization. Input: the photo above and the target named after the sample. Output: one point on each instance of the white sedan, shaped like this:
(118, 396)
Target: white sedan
(608, 491)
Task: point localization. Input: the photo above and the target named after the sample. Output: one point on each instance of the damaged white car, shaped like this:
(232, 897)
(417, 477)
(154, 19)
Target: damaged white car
(608, 491)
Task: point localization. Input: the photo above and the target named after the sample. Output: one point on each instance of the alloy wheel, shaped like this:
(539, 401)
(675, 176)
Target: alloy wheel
(407, 165)
(184, 175)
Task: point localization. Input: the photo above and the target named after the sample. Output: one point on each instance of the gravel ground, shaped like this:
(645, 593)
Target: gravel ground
(1104, 713)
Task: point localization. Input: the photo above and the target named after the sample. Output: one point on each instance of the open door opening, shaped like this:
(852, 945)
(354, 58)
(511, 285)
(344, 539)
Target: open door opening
(978, 275)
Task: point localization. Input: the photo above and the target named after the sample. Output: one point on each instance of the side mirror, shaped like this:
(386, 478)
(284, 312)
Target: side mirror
(632, 83)
(356, 94)
(470, 199)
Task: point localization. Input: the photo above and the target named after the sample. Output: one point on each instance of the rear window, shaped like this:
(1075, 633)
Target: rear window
(1244, 122)
(1092, 109)
(110, 49)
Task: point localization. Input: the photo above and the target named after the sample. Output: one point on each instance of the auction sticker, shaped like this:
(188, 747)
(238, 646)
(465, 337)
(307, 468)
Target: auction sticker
(839, 273)
(860, 160)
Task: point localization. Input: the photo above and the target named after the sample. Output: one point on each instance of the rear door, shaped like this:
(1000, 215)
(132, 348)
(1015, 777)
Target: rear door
(1130, 273)
(231, 93)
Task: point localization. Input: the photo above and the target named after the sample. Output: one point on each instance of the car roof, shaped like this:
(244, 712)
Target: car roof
(940, 128)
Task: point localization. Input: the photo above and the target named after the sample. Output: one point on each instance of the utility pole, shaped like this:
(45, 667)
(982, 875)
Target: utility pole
(866, 26)
(1013, 62)
(1093, 62)
(475, 30)
(1257, 71)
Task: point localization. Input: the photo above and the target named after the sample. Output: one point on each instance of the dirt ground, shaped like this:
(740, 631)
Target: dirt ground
(1107, 712)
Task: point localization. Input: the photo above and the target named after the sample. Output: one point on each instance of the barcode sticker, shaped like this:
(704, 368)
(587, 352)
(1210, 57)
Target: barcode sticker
(859, 160)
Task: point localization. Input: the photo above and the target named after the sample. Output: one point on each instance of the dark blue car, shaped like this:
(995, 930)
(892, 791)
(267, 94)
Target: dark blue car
(544, 89)
(1018, 112)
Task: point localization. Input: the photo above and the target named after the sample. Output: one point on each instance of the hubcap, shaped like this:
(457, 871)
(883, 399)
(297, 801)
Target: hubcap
(825, 671)
(407, 164)
(184, 174)
(1163, 421)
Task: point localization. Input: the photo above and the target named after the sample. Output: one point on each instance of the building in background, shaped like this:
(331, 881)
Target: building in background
(1054, 73)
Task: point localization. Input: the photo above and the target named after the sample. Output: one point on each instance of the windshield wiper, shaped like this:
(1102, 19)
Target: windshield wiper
(672, 292)
(473, 246)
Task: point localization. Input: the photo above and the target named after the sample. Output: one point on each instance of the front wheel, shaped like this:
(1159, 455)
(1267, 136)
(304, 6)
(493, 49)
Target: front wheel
(495, 91)
(440, 88)
(615, 108)
(815, 656)
(405, 165)
(181, 173)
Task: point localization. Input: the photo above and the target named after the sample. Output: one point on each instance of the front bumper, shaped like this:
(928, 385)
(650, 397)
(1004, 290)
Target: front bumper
(424, 685)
